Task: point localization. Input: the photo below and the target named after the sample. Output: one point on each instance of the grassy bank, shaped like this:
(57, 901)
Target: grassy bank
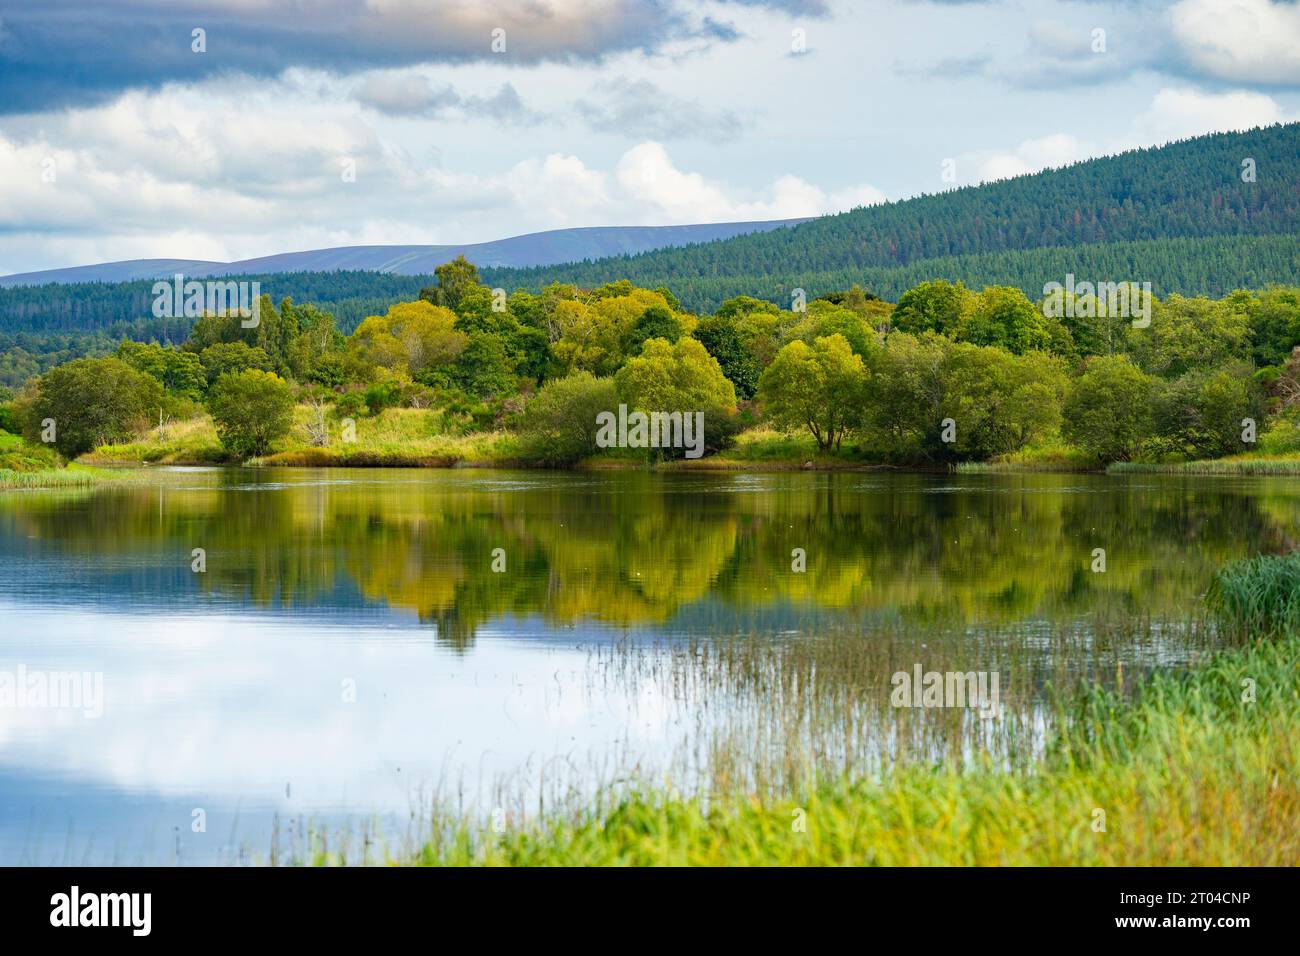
(1194, 768)
(417, 438)
(1234, 465)
(71, 477)
(23, 465)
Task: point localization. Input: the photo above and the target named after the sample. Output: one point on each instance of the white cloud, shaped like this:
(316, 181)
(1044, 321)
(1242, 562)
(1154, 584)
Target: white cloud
(1032, 155)
(1178, 113)
(647, 175)
(1245, 41)
(1174, 113)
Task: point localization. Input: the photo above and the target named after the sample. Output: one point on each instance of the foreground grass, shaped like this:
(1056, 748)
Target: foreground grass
(1195, 768)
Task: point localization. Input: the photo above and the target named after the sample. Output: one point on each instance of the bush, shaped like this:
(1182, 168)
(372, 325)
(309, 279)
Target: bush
(1109, 411)
(251, 409)
(91, 402)
(9, 421)
(559, 425)
(350, 405)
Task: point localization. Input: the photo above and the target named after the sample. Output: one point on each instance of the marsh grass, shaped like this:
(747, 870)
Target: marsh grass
(1051, 455)
(1182, 772)
(190, 442)
(769, 713)
(1236, 465)
(71, 477)
(795, 756)
(1258, 596)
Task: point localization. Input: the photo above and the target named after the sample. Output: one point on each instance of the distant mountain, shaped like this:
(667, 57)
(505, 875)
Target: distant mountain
(534, 249)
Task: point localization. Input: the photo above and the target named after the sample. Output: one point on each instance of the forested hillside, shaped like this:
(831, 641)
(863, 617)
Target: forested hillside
(1194, 188)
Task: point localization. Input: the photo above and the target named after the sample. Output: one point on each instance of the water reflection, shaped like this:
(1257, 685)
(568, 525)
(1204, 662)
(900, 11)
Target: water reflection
(638, 549)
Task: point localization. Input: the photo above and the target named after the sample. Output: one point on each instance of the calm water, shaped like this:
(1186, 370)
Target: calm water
(350, 649)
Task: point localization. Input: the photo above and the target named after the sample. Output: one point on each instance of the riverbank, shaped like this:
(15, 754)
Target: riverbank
(25, 466)
(410, 438)
(1199, 768)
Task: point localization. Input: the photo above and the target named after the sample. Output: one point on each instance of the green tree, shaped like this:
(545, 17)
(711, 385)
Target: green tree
(821, 388)
(935, 306)
(1003, 316)
(455, 279)
(655, 322)
(483, 367)
(1187, 334)
(251, 409)
(905, 401)
(1109, 413)
(1274, 322)
(91, 402)
(1201, 414)
(681, 377)
(225, 357)
(723, 339)
(1000, 402)
(178, 372)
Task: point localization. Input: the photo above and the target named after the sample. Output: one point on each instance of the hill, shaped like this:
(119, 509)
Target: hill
(1192, 189)
(534, 249)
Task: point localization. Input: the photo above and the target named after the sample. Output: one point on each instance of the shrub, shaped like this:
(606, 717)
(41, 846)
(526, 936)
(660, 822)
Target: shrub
(251, 409)
(559, 425)
(91, 402)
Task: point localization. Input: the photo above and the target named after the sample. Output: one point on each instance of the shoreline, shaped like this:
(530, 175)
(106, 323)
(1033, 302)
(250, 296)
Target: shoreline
(315, 458)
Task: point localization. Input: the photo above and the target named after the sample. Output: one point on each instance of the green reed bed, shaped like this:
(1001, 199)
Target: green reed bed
(1169, 767)
(1245, 465)
(1259, 596)
(1185, 773)
(52, 478)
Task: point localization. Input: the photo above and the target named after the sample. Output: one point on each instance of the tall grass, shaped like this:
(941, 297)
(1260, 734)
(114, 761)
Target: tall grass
(1238, 465)
(1259, 596)
(47, 479)
(1185, 774)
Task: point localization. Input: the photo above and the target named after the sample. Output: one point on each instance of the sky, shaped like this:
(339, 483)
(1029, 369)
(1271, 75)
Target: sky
(227, 129)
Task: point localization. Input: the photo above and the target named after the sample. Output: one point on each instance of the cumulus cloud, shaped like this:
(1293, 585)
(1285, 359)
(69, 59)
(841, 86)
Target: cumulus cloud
(1180, 112)
(183, 173)
(646, 176)
(1174, 113)
(1243, 41)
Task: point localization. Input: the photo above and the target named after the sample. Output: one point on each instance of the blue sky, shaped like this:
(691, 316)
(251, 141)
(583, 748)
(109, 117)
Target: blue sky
(304, 125)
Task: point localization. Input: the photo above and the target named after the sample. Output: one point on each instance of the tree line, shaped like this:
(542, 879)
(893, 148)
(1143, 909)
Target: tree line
(947, 374)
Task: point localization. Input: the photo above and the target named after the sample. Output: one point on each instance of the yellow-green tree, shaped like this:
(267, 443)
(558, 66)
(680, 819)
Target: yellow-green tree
(412, 337)
(821, 388)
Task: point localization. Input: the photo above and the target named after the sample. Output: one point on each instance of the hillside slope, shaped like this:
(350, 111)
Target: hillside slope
(1185, 190)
